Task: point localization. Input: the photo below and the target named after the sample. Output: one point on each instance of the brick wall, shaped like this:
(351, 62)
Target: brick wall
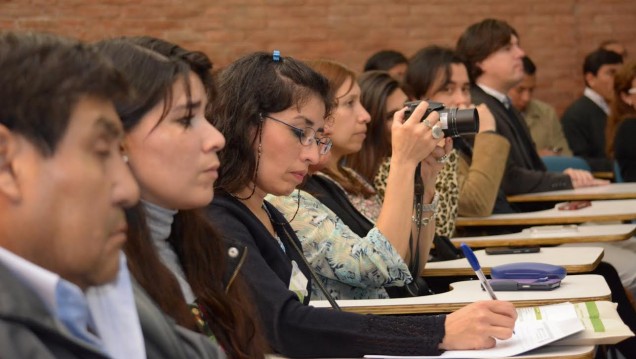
(555, 33)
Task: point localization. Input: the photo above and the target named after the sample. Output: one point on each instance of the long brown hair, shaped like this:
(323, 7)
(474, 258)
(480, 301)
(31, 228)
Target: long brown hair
(620, 110)
(337, 74)
(376, 87)
(152, 70)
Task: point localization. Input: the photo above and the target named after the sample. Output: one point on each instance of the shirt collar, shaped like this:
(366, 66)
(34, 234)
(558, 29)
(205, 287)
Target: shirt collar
(41, 281)
(64, 300)
(501, 97)
(597, 99)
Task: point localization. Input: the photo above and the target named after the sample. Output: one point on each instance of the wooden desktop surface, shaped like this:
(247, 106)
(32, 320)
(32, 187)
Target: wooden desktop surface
(548, 351)
(625, 190)
(599, 211)
(574, 288)
(574, 259)
(560, 352)
(553, 235)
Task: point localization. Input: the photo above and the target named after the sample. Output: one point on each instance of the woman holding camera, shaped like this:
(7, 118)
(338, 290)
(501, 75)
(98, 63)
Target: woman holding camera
(359, 245)
(438, 74)
(272, 111)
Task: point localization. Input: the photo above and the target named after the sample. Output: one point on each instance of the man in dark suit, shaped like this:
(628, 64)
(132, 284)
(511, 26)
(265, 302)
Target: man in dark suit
(584, 120)
(492, 55)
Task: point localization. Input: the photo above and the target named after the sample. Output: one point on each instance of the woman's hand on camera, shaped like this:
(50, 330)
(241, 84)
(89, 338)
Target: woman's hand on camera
(412, 140)
(476, 325)
(435, 162)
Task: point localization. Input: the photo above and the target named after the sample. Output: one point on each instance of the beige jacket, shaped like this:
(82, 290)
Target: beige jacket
(479, 182)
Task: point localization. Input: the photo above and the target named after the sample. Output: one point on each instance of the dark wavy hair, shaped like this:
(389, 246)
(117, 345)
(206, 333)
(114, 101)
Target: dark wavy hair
(424, 68)
(254, 85)
(385, 60)
(375, 87)
(43, 76)
(480, 40)
(152, 66)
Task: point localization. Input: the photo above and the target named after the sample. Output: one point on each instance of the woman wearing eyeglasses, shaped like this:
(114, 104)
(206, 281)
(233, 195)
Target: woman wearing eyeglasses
(264, 156)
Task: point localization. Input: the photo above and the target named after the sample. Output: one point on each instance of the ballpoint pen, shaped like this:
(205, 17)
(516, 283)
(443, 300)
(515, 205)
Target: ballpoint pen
(472, 259)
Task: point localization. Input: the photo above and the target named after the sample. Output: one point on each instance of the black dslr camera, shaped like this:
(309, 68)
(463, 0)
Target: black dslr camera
(454, 122)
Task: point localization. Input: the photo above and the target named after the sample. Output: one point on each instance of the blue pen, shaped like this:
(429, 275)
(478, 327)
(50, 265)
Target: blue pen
(472, 259)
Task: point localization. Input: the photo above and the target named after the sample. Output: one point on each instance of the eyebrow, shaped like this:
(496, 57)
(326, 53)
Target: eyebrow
(108, 128)
(310, 123)
(189, 106)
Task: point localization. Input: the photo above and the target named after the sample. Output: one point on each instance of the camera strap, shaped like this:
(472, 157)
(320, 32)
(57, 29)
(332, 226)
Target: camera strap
(418, 201)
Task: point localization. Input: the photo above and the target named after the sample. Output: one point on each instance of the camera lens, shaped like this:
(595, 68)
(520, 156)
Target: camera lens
(456, 122)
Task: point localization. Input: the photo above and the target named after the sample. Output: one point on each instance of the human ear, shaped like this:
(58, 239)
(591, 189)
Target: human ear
(590, 79)
(9, 187)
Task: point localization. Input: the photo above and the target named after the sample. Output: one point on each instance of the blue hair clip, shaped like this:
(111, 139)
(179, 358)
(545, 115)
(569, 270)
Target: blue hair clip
(276, 55)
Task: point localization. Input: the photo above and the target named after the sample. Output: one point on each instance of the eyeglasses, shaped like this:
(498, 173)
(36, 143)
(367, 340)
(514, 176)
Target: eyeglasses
(306, 136)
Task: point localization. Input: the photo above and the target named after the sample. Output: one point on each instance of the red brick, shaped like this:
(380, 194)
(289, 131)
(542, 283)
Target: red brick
(556, 33)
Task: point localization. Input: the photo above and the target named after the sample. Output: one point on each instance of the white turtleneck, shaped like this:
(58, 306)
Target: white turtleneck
(160, 223)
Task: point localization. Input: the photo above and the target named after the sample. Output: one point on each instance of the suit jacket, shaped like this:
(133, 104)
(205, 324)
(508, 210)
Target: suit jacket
(525, 171)
(584, 127)
(29, 330)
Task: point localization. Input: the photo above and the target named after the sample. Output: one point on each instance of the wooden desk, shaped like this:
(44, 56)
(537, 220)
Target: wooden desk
(574, 259)
(574, 288)
(599, 211)
(560, 352)
(610, 191)
(541, 236)
(548, 351)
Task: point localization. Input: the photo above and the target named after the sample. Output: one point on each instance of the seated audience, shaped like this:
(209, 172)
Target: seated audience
(541, 118)
(584, 120)
(361, 264)
(272, 112)
(171, 148)
(491, 52)
(388, 60)
(621, 124)
(65, 288)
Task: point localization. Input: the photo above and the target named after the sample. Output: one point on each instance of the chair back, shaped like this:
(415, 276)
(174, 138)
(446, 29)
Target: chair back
(561, 163)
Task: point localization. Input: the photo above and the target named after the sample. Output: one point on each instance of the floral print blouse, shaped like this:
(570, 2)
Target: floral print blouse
(350, 267)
